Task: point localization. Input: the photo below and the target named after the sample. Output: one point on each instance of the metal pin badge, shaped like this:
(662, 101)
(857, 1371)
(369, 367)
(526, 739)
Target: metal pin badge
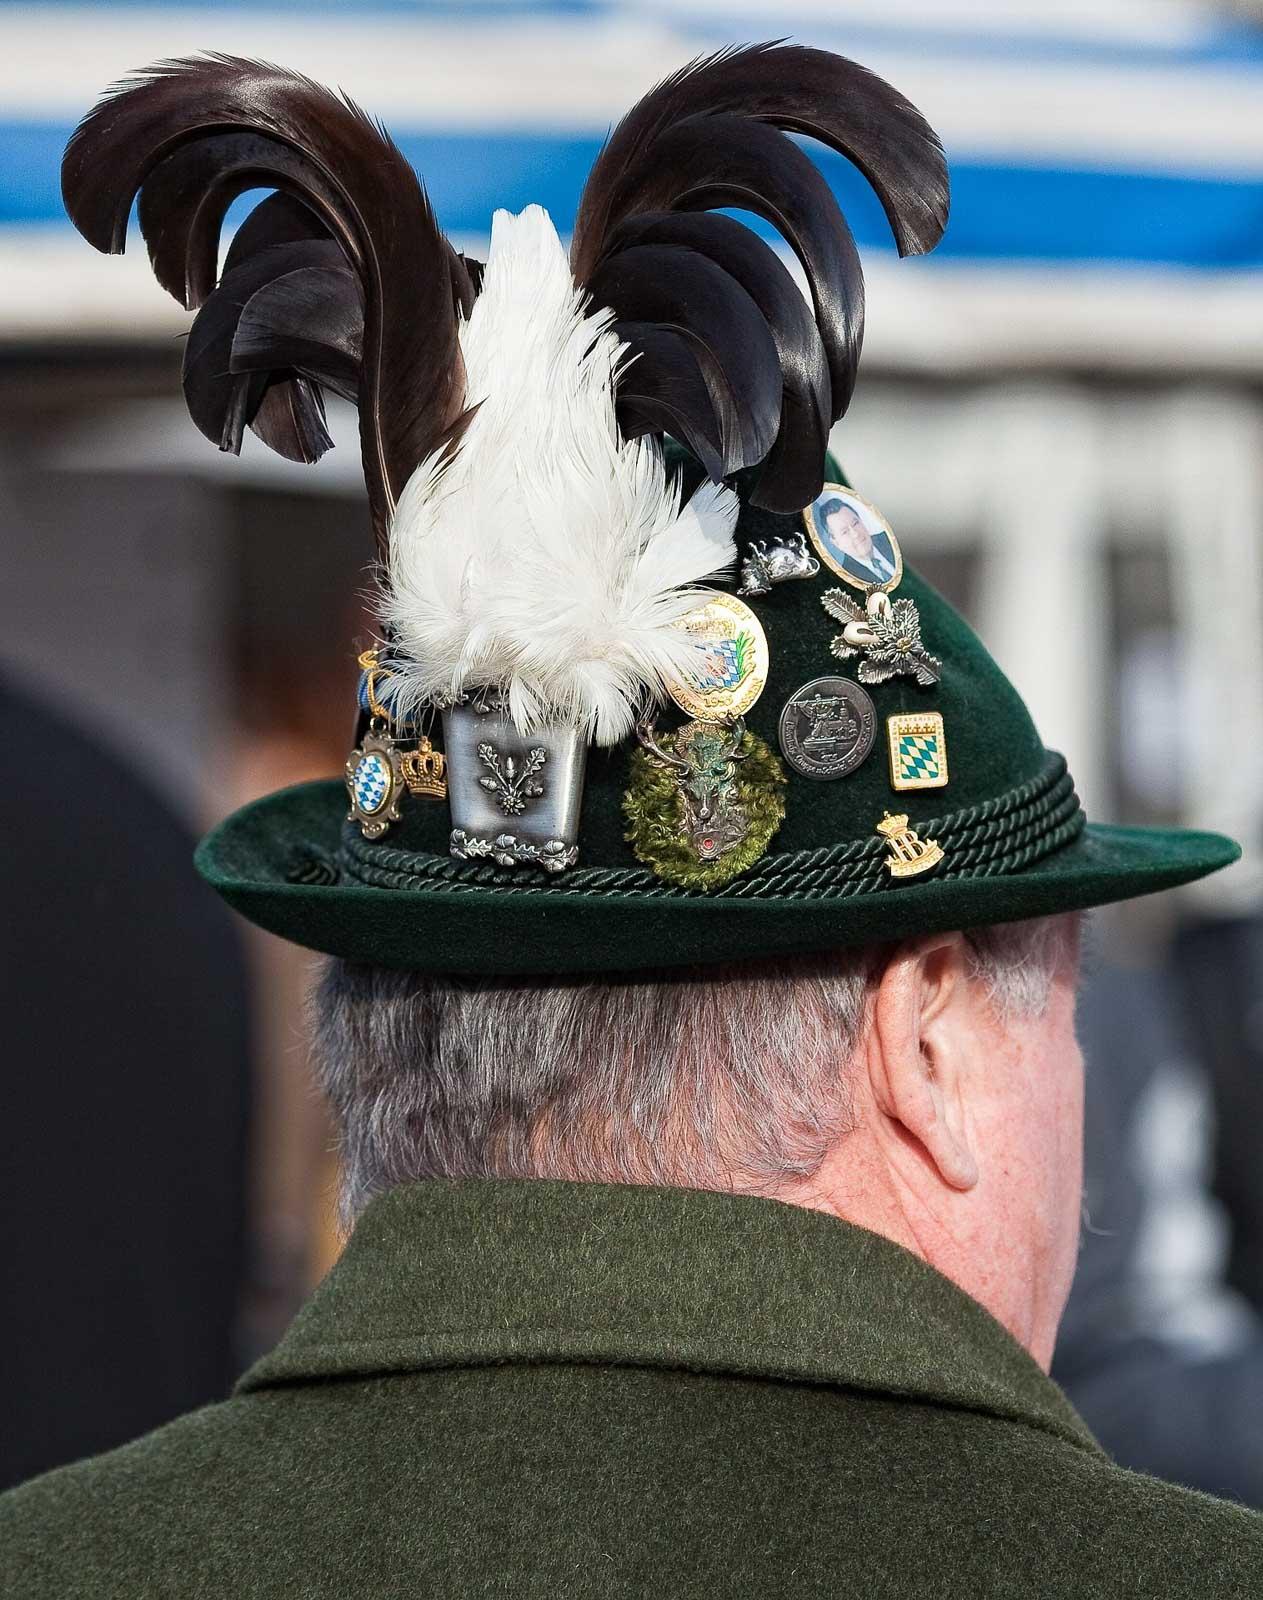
(373, 775)
(729, 667)
(777, 560)
(704, 802)
(853, 539)
(909, 855)
(917, 746)
(375, 784)
(886, 632)
(703, 757)
(425, 770)
(827, 728)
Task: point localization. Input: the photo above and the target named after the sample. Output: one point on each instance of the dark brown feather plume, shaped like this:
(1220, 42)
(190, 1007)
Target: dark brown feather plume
(685, 291)
(289, 417)
(663, 388)
(801, 90)
(291, 420)
(189, 136)
(286, 315)
(792, 462)
(714, 135)
(280, 219)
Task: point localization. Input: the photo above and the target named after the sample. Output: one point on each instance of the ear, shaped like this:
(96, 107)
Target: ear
(920, 1051)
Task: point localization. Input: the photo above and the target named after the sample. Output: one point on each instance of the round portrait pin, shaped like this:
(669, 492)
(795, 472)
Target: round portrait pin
(731, 656)
(853, 539)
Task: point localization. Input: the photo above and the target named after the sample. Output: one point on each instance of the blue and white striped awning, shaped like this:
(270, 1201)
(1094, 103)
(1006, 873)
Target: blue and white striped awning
(1107, 158)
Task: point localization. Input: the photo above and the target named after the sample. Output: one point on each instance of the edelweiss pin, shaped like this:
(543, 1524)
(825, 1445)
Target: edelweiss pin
(888, 634)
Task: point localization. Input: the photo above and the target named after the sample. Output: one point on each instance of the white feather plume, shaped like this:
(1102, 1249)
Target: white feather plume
(550, 558)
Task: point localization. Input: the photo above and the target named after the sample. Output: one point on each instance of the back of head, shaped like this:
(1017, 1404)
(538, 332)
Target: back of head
(898, 1087)
(737, 1077)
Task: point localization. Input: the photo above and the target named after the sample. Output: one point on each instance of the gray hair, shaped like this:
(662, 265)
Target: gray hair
(724, 1077)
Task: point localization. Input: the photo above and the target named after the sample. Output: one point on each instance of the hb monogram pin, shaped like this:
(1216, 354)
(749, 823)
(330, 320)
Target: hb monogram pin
(910, 855)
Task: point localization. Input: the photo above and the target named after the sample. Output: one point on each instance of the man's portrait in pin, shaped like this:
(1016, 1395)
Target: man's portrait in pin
(853, 539)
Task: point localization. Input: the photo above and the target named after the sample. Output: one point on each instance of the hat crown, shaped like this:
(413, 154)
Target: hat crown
(995, 746)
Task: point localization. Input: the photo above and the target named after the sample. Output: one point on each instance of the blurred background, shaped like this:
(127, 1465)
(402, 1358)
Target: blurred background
(1061, 413)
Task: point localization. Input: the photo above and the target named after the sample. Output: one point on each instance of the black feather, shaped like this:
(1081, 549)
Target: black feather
(221, 402)
(732, 161)
(280, 219)
(291, 420)
(310, 318)
(289, 417)
(686, 292)
(224, 391)
(189, 136)
(277, 335)
(714, 135)
(793, 466)
(663, 389)
(474, 271)
(793, 87)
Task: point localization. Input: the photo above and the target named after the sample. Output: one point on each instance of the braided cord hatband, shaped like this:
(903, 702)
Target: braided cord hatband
(1001, 835)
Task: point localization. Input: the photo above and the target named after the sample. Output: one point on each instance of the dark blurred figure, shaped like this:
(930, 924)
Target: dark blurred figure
(1219, 970)
(124, 1099)
(1157, 1401)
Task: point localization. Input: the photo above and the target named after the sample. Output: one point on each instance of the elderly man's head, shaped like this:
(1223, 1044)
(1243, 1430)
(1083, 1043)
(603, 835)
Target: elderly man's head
(930, 1091)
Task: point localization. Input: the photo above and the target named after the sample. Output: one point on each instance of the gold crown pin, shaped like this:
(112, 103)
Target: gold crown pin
(425, 771)
(909, 855)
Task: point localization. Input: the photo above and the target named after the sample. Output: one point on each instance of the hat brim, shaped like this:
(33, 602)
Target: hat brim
(506, 931)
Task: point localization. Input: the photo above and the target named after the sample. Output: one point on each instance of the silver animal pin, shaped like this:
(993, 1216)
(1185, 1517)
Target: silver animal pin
(776, 561)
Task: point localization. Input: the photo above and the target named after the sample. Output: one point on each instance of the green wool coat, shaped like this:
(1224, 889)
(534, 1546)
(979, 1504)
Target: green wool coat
(559, 1389)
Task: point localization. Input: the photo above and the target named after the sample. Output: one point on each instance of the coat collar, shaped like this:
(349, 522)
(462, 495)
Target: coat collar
(472, 1272)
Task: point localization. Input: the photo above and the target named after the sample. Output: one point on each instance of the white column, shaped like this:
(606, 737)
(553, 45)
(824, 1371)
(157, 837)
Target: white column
(1043, 607)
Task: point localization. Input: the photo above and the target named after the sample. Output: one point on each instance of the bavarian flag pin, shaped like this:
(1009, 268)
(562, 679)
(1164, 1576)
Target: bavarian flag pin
(917, 746)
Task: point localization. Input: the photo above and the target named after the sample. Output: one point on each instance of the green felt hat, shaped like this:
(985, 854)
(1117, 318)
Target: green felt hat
(540, 573)
(1015, 840)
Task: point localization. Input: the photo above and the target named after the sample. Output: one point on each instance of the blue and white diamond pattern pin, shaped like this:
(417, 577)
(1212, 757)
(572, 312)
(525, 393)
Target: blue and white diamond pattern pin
(918, 750)
(374, 783)
(371, 782)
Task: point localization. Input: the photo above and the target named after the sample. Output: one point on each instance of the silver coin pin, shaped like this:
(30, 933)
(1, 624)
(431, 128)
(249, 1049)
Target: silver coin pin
(827, 728)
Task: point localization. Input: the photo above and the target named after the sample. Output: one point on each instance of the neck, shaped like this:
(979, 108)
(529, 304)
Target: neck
(956, 1234)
